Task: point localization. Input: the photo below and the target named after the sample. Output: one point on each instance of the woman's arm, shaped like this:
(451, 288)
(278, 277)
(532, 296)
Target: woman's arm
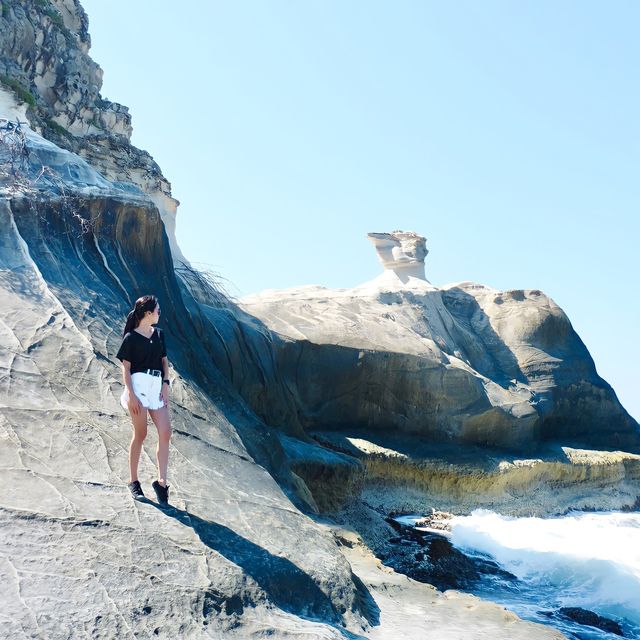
(165, 376)
(134, 403)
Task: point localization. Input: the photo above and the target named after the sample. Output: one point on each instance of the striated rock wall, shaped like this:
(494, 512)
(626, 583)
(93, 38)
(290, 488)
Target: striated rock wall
(44, 61)
(235, 555)
(463, 363)
(77, 555)
(404, 474)
(523, 340)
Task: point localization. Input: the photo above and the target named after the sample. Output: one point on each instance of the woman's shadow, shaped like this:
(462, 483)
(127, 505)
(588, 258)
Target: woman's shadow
(286, 585)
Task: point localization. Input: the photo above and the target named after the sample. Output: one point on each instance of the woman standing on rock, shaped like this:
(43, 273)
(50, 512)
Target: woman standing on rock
(145, 370)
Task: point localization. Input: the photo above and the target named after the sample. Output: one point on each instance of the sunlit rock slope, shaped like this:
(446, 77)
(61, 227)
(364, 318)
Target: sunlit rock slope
(85, 227)
(235, 557)
(79, 241)
(460, 363)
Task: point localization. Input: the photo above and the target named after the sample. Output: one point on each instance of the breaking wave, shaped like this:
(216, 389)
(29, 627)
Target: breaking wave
(587, 560)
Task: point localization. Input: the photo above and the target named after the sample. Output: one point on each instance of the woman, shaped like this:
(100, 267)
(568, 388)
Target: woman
(145, 371)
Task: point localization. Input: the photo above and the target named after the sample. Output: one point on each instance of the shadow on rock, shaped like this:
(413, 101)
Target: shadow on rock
(492, 357)
(285, 584)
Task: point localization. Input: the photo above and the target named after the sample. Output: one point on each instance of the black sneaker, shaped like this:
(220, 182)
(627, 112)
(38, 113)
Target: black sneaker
(136, 490)
(162, 493)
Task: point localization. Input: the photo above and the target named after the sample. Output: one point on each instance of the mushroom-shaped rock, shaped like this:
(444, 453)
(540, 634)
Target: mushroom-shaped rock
(402, 252)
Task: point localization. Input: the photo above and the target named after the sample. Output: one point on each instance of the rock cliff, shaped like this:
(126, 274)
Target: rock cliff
(77, 554)
(83, 232)
(459, 363)
(86, 225)
(235, 557)
(44, 60)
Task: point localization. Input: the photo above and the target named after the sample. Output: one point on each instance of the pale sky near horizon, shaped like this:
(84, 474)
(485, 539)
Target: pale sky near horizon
(507, 133)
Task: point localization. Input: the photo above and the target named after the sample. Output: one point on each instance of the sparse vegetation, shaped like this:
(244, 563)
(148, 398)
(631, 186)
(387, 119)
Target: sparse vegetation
(55, 17)
(57, 128)
(23, 94)
(206, 285)
(14, 153)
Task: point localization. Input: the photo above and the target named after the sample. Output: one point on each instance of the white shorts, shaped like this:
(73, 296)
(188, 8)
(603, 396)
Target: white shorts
(147, 389)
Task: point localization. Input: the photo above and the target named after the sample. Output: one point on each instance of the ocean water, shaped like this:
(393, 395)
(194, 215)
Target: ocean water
(588, 560)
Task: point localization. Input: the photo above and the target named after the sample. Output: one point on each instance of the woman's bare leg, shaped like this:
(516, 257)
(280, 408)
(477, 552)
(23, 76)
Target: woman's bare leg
(139, 434)
(162, 421)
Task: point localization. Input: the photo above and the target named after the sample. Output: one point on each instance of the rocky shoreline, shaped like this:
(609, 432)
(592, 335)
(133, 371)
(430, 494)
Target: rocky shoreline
(297, 434)
(420, 548)
(412, 610)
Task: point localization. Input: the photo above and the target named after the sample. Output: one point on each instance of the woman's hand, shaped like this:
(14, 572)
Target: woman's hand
(134, 404)
(164, 394)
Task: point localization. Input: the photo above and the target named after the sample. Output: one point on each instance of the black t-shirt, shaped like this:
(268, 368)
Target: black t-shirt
(143, 353)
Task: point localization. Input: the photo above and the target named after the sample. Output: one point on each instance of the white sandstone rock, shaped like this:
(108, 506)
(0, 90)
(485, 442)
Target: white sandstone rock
(463, 361)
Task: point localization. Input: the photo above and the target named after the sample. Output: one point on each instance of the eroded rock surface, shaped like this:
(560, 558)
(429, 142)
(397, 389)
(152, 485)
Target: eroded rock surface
(462, 362)
(401, 253)
(77, 556)
(44, 59)
(77, 553)
(236, 556)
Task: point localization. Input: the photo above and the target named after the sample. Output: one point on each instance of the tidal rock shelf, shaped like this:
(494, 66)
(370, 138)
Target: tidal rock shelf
(422, 549)
(413, 610)
(406, 474)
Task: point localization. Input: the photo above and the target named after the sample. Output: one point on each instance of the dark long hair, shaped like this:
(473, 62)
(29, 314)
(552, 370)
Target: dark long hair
(142, 305)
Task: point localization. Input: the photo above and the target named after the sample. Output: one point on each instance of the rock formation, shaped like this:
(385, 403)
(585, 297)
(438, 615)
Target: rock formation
(81, 235)
(44, 59)
(77, 554)
(86, 225)
(402, 253)
(462, 362)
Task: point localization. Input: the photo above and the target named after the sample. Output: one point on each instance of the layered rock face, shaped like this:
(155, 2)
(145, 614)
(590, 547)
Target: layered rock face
(81, 236)
(461, 363)
(85, 228)
(76, 552)
(44, 58)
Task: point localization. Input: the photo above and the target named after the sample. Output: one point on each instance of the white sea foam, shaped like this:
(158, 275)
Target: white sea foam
(589, 560)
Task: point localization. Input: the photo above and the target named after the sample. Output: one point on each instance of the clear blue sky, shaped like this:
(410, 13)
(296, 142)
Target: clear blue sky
(505, 132)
